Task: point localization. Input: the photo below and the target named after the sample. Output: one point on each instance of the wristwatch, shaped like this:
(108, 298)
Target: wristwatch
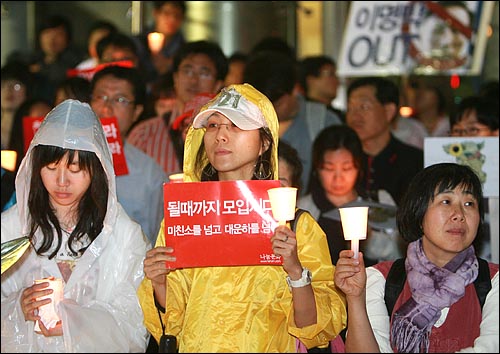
(303, 281)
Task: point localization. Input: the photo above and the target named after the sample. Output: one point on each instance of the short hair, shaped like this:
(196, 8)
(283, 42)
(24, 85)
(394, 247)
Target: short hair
(311, 66)
(238, 57)
(273, 43)
(17, 70)
(487, 111)
(289, 154)
(271, 72)
(157, 5)
(424, 187)
(116, 39)
(131, 75)
(54, 22)
(77, 88)
(209, 48)
(386, 91)
(101, 25)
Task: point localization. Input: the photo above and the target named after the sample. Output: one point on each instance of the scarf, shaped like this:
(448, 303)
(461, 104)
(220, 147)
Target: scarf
(433, 288)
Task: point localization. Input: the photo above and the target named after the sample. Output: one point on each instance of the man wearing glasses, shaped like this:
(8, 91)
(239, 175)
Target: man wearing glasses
(199, 68)
(120, 92)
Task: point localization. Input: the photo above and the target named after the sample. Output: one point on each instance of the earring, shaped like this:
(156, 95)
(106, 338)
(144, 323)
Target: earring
(262, 169)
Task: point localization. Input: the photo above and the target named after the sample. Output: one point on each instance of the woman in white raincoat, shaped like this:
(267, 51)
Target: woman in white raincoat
(66, 204)
(245, 309)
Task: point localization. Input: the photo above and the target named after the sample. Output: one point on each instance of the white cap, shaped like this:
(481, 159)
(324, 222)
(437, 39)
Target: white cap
(232, 104)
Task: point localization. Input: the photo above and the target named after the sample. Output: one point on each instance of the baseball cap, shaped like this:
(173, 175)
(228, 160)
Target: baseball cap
(236, 107)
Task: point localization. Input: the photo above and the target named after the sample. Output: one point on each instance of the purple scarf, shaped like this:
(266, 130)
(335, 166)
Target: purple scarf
(433, 288)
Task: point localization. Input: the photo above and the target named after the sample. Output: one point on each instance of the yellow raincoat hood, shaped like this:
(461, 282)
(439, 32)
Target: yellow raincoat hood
(194, 137)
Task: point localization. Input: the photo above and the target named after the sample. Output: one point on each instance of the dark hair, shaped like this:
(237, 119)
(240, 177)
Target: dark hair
(17, 70)
(116, 39)
(271, 72)
(311, 66)
(131, 75)
(273, 43)
(54, 22)
(205, 171)
(288, 153)
(490, 89)
(487, 111)
(157, 5)
(337, 137)
(101, 25)
(238, 57)
(424, 187)
(91, 208)
(386, 90)
(210, 49)
(77, 88)
(16, 141)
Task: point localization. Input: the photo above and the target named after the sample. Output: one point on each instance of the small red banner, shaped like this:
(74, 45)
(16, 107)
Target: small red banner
(227, 223)
(111, 131)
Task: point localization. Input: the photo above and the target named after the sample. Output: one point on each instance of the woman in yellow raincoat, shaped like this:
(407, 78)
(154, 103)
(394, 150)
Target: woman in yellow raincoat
(243, 308)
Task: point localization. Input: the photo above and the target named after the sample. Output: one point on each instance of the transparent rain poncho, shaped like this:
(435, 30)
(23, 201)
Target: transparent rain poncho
(100, 311)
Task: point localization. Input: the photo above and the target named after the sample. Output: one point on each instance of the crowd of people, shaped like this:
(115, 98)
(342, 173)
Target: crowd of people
(263, 115)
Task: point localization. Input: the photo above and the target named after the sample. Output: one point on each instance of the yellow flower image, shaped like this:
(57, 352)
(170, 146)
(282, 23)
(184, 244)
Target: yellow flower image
(455, 149)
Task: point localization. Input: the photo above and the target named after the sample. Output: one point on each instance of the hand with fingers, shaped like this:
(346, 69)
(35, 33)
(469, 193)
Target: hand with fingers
(284, 244)
(31, 300)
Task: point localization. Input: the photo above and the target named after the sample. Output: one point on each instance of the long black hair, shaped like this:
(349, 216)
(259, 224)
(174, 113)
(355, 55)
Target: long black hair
(91, 208)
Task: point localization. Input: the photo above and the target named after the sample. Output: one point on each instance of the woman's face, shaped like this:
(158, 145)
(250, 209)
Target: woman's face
(231, 151)
(450, 224)
(65, 185)
(338, 174)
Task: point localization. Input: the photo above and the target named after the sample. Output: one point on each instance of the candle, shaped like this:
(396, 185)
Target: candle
(354, 224)
(155, 41)
(176, 178)
(9, 158)
(48, 312)
(283, 200)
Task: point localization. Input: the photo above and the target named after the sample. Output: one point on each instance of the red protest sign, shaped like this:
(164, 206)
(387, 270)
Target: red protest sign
(227, 223)
(111, 131)
(30, 126)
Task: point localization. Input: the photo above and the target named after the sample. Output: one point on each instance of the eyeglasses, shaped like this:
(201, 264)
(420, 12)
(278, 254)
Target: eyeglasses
(363, 107)
(214, 127)
(12, 85)
(190, 73)
(471, 131)
(327, 73)
(115, 102)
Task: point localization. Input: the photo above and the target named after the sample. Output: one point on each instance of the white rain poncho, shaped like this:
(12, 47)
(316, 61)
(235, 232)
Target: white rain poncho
(100, 311)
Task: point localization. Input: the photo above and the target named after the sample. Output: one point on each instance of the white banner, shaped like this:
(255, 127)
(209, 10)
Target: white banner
(422, 37)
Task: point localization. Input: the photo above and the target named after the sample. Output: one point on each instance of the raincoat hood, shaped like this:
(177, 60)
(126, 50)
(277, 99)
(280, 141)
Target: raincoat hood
(194, 138)
(70, 125)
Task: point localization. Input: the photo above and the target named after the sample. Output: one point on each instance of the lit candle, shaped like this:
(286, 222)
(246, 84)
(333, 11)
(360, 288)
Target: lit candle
(48, 312)
(9, 158)
(176, 178)
(354, 224)
(155, 41)
(283, 200)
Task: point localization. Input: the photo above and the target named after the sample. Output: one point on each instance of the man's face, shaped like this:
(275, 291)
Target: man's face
(366, 115)
(197, 74)
(113, 97)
